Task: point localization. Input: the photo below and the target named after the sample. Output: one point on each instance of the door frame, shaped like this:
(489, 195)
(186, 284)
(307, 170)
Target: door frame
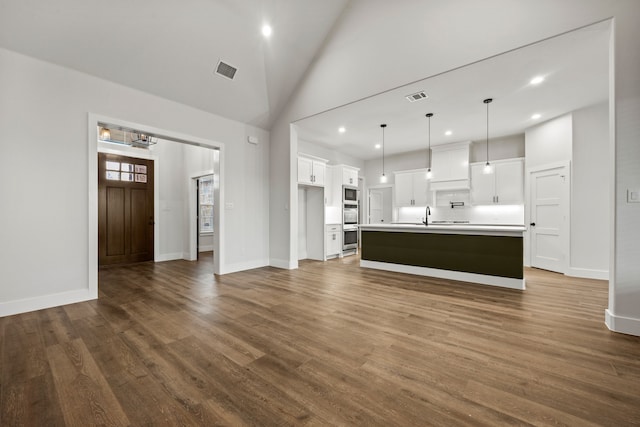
(377, 187)
(137, 154)
(194, 228)
(566, 212)
(93, 121)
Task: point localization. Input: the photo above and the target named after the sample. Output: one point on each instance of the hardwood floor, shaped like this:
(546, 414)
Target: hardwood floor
(327, 344)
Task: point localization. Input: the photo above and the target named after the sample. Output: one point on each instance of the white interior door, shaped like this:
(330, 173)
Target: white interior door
(548, 218)
(376, 215)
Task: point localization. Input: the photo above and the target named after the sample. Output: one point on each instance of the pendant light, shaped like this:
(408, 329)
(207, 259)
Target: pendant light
(429, 174)
(383, 178)
(487, 167)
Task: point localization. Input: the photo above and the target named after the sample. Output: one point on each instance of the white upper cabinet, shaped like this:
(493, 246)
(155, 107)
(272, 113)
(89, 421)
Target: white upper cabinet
(504, 186)
(450, 166)
(349, 176)
(411, 188)
(311, 171)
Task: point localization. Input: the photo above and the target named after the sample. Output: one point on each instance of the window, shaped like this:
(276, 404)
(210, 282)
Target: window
(127, 174)
(205, 190)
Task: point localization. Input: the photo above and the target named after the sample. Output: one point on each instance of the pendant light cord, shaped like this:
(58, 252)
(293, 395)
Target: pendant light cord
(487, 132)
(383, 126)
(487, 101)
(429, 115)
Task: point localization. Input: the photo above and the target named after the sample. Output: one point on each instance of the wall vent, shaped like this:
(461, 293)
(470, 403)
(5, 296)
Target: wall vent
(417, 96)
(225, 70)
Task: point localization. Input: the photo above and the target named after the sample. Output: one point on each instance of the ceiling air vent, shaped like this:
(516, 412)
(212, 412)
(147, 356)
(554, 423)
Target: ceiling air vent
(225, 70)
(417, 96)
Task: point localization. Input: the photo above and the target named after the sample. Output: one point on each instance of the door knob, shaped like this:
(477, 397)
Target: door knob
(533, 224)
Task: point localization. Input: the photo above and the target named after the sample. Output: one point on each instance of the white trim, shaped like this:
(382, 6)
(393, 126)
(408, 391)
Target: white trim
(169, 257)
(249, 265)
(623, 325)
(292, 263)
(309, 156)
(613, 188)
(482, 279)
(588, 273)
(283, 263)
(46, 301)
(191, 255)
(206, 248)
(451, 146)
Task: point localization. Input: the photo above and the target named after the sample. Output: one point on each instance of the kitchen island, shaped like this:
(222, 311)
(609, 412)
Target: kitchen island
(484, 254)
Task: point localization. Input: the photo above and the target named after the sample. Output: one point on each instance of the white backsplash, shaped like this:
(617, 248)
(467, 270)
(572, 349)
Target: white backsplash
(490, 214)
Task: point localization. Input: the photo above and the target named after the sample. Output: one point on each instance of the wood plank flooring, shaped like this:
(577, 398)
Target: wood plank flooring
(169, 344)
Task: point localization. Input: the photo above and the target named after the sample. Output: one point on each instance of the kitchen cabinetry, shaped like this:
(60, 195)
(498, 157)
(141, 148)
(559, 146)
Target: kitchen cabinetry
(311, 170)
(349, 176)
(333, 240)
(505, 186)
(450, 166)
(340, 175)
(411, 188)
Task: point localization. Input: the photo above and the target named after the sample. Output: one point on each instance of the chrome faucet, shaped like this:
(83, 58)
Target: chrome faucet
(427, 212)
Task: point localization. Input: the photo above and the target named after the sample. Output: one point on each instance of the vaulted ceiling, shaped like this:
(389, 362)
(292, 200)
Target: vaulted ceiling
(171, 48)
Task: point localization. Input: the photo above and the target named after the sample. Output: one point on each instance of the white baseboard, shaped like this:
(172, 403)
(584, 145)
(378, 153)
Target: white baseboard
(624, 325)
(242, 266)
(169, 257)
(207, 248)
(483, 279)
(588, 273)
(282, 263)
(46, 301)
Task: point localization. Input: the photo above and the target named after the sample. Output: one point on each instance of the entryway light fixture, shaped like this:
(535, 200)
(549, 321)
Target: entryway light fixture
(383, 177)
(143, 140)
(105, 134)
(429, 174)
(487, 166)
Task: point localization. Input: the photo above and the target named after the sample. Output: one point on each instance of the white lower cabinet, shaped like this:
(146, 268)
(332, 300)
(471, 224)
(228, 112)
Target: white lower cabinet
(333, 240)
(504, 186)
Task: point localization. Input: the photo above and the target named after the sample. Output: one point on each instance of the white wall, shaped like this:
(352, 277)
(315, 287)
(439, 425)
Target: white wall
(369, 27)
(334, 157)
(549, 142)
(172, 200)
(506, 147)
(43, 140)
(397, 162)
(590, 192)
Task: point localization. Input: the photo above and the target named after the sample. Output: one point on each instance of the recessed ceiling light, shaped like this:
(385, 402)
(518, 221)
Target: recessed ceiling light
(537, 80)
(448, 133)
(378, 146)
(536, 116)
(267, 30)
(342, 129)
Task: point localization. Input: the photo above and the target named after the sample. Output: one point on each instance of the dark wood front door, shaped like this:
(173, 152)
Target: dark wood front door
(125, 209)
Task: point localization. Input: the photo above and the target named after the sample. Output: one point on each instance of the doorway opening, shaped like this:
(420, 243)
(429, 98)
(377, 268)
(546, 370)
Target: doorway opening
(175, 159)
(380, 205)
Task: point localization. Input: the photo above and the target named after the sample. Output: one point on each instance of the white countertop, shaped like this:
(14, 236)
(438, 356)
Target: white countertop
(483, 229)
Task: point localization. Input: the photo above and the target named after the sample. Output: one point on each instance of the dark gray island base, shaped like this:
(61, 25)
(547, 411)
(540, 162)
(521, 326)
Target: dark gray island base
(489, 255)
